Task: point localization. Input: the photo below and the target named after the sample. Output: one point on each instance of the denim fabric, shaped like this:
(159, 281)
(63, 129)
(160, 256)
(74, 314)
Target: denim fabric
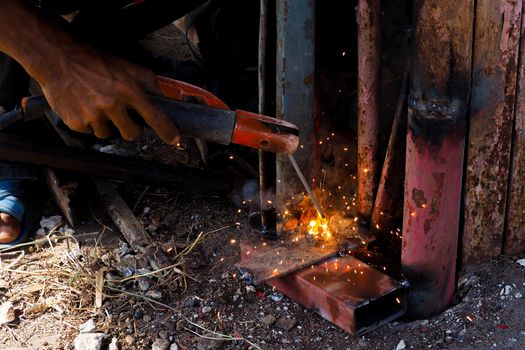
(9, 201)
(15, 171)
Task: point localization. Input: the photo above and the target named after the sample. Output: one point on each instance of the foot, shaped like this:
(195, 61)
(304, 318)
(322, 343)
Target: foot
(9, 228)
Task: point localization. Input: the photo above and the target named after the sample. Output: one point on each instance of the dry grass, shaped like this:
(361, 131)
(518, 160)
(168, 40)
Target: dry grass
(52, 282)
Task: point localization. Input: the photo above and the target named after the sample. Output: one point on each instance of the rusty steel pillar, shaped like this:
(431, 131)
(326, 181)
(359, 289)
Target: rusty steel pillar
(295, 92)
(266, 84)
(440, 87)
(369, 108)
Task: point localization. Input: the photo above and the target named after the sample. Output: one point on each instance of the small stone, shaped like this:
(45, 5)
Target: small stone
(191, 302)
(89, 341)
(424, 322)
(87, 327)
(154, 294)
(146, 318)
(163, 334)
(286, 323)
(506, 290)
(250, 289)
(146, 210)
(174, 346)
(138, 315)
(114, 344)
(144, 284)
(7, 313)
(401, 345)
(518, 295)
(40, 232)
(521, 262)
(206, 309)
(180, 325)
(160, 344)
(277, 297)
(268, 320)
(362, 344)
(48, 223)
(152, 228)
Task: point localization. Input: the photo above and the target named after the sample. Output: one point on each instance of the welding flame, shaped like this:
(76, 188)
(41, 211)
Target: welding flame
(319, 228)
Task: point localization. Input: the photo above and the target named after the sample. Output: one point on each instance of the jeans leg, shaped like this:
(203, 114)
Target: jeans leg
(9, 201)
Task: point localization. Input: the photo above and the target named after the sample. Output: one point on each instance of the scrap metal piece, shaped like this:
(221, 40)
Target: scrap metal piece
(345, 291)
(61, 194)
(286, 256)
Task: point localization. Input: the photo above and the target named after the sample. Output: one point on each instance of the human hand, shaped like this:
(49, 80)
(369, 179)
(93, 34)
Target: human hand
(91, 90)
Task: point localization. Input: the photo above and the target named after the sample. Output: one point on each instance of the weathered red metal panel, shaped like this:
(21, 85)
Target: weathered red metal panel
(369, 63)
(514, 240)
(496, 38)
(441, 64)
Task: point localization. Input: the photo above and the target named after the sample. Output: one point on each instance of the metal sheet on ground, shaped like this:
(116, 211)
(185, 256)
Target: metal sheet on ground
(273, 259)
(343, 290)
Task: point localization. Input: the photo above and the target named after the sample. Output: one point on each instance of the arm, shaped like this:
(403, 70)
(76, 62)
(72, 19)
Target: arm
(87, 88)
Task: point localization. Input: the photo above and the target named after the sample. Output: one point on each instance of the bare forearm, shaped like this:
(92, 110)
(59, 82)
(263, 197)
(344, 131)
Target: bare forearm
(38, 44)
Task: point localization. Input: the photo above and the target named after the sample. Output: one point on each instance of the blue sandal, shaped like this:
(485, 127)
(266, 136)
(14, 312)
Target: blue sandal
(12, 205)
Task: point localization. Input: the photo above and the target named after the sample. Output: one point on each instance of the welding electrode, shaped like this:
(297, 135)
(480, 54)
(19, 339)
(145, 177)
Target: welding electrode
(306, 186)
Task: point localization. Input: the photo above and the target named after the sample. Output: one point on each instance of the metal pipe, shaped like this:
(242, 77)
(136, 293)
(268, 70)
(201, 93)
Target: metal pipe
(390, 191)
(440, 88)
(369, 61)
(266, 159)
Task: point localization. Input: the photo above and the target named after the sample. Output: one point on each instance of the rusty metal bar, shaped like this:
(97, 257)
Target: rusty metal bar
(266, 159)
(390, 191)
(369, 108)
(440, 87)
(295, 92)
(17, 149)
(345, 291)
(496, 38)
(514, 238)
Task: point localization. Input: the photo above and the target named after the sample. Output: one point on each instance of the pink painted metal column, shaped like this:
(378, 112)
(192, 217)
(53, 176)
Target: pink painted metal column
(369, 65)
(441, 67)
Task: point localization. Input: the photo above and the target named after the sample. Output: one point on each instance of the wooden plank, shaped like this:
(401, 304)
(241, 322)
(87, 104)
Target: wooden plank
(514, 240)
(496, 41)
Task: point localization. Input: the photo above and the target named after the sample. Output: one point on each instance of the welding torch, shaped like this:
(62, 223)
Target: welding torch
(208, 118)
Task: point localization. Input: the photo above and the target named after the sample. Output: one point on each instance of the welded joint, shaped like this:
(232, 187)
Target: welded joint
(435, 111)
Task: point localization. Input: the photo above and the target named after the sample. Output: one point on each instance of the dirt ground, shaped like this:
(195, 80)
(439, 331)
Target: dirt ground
(214, 299)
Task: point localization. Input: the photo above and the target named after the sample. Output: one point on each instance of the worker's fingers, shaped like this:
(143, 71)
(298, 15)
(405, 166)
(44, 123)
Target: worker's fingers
(129, 130)
(155, 118)
(101, 129)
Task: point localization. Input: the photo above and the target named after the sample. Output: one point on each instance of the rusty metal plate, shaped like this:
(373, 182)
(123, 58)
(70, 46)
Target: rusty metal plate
(273, 259)
(343, 290)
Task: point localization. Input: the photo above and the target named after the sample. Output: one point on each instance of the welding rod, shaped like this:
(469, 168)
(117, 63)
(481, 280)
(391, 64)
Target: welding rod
(306, 186)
